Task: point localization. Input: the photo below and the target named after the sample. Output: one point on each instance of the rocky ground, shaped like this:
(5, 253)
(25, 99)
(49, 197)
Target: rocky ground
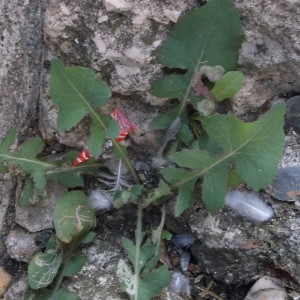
(119, 40)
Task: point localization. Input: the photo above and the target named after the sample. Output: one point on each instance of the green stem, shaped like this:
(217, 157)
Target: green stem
(223, 158)
(32, 161)
(138, 242)
(196, 69)
(126, 160)
(156, 236)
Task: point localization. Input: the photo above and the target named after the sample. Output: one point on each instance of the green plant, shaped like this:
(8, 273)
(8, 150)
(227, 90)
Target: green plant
(38, 170)
(205, 43)
(220, 150)
(142, 282)
(208, 36)
(72, 219)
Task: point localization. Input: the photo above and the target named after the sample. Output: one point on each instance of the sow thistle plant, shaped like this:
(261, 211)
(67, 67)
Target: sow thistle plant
(211, 150)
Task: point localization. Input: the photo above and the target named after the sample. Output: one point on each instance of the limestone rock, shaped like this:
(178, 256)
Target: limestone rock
(233, 250)
(97, 279)
(270, 52)
(116, 5)
(20, 55)
(20, 70)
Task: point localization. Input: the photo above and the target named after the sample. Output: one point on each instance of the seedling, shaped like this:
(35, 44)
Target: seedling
(211, 151)
(72, 219)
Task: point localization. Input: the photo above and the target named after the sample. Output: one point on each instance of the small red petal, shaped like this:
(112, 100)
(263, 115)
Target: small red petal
(83, 156)
(75, 163)
(125, 126)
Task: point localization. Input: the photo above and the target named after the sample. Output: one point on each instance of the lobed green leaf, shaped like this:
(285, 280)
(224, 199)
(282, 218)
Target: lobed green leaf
(129, 246)
(254, 148)
(88, 237)
(164, 120)
(77, 91)
(146, 288)
(210, 35)
(172, 86)
(185, 198)
(30, 195)
(152, 284)
(8, 140)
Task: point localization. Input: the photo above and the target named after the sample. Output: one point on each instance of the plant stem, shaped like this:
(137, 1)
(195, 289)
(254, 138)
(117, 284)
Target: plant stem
(60, 274)
(156, 236)
(138, 242)
(126, 161)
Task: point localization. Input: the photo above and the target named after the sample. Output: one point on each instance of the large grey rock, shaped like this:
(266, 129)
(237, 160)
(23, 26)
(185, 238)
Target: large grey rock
(270, 51)
(119, 40)
(20, 66)
(234, 250)
(21, 53)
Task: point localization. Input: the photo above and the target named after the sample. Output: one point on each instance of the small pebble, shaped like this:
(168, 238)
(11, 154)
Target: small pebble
(5, 279)
(286, 184)
(266, 288)
(21, 245)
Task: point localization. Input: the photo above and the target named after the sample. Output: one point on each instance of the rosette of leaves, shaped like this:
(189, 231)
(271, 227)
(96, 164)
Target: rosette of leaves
(72, 219)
